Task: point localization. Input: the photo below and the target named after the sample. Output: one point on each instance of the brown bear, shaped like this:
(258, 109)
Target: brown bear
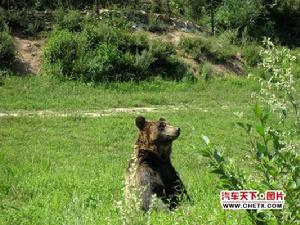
(150, 171)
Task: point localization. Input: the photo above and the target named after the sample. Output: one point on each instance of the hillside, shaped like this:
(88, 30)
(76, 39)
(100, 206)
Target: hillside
(186, 37)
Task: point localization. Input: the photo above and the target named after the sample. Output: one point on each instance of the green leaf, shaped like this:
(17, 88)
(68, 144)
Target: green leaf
(258, 111)
(218, 157)
(260, 130)
(261, 150)
(218, 171)
(206, 153)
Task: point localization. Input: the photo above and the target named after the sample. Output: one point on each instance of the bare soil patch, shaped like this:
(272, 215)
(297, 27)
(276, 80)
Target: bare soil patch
(28, 55)
(96, 113)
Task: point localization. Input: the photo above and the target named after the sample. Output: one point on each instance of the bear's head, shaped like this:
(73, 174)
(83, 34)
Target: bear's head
(156, 136)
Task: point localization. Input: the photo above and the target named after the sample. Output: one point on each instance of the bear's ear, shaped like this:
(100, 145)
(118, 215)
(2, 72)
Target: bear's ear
(162, 119)
(140, 122)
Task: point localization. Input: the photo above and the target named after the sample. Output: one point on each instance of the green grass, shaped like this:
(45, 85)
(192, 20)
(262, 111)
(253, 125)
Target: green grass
(63, 170)
(71, 170)
(35, 93)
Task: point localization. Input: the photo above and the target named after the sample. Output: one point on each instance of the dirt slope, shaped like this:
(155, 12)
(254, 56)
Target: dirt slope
(29, 51)
(28, 55)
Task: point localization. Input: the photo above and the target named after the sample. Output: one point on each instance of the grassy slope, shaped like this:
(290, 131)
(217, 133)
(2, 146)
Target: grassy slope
(70, 170)
(33, 93)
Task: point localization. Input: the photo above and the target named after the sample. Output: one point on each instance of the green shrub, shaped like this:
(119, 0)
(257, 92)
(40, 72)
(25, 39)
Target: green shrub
(144, 60)
(206, 71)
(99, 34)
(296, 66)
(250, 52)
(106, 63)
(207, 48)
(253, 15)
(102, 53)
(115, 18)
(28, 21)
(3, 74)
(7, 49)
(97, 65)
(71, 20)
(136, 42)
(162, 49)
(122, 38)
(156, 25)
(236, 14)
(33, 26)
(62, 50)
(193, 46)
(14, 18)
(164, 60)
(3, 25)
(273, 141)
(61, 45)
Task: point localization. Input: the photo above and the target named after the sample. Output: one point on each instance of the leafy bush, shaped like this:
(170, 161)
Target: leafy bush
(206, 71)
(161, 49)
(277, 168)
(71, 20)
(102, 53)
(144, 60)
(62, 49)
(296, 65)
(253, 15)
(250, 52)
(277, 83)
(3, 25)
(235, 14)
(33, 26)
(164, 60)
(7, 49)
(100, 34)
(274, 146)
(195, 47)
(156, 25)
(122, 38)
(28, 21)
(209, 48)
(102, 64)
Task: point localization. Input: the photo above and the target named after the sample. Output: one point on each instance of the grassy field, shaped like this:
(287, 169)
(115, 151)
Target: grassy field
(70, 170)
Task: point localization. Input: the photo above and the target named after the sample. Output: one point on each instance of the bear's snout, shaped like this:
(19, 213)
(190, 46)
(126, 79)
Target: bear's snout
(171, 133)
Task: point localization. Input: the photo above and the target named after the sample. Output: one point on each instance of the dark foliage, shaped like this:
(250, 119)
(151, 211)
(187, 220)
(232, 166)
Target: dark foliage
(7, 50)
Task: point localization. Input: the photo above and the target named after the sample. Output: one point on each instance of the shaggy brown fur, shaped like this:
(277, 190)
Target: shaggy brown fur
(150, 171)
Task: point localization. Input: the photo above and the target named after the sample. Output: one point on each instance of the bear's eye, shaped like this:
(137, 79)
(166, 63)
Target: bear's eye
(162, 125)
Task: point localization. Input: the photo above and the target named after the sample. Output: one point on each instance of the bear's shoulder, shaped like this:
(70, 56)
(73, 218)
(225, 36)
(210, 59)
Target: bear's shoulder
(146, 156)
